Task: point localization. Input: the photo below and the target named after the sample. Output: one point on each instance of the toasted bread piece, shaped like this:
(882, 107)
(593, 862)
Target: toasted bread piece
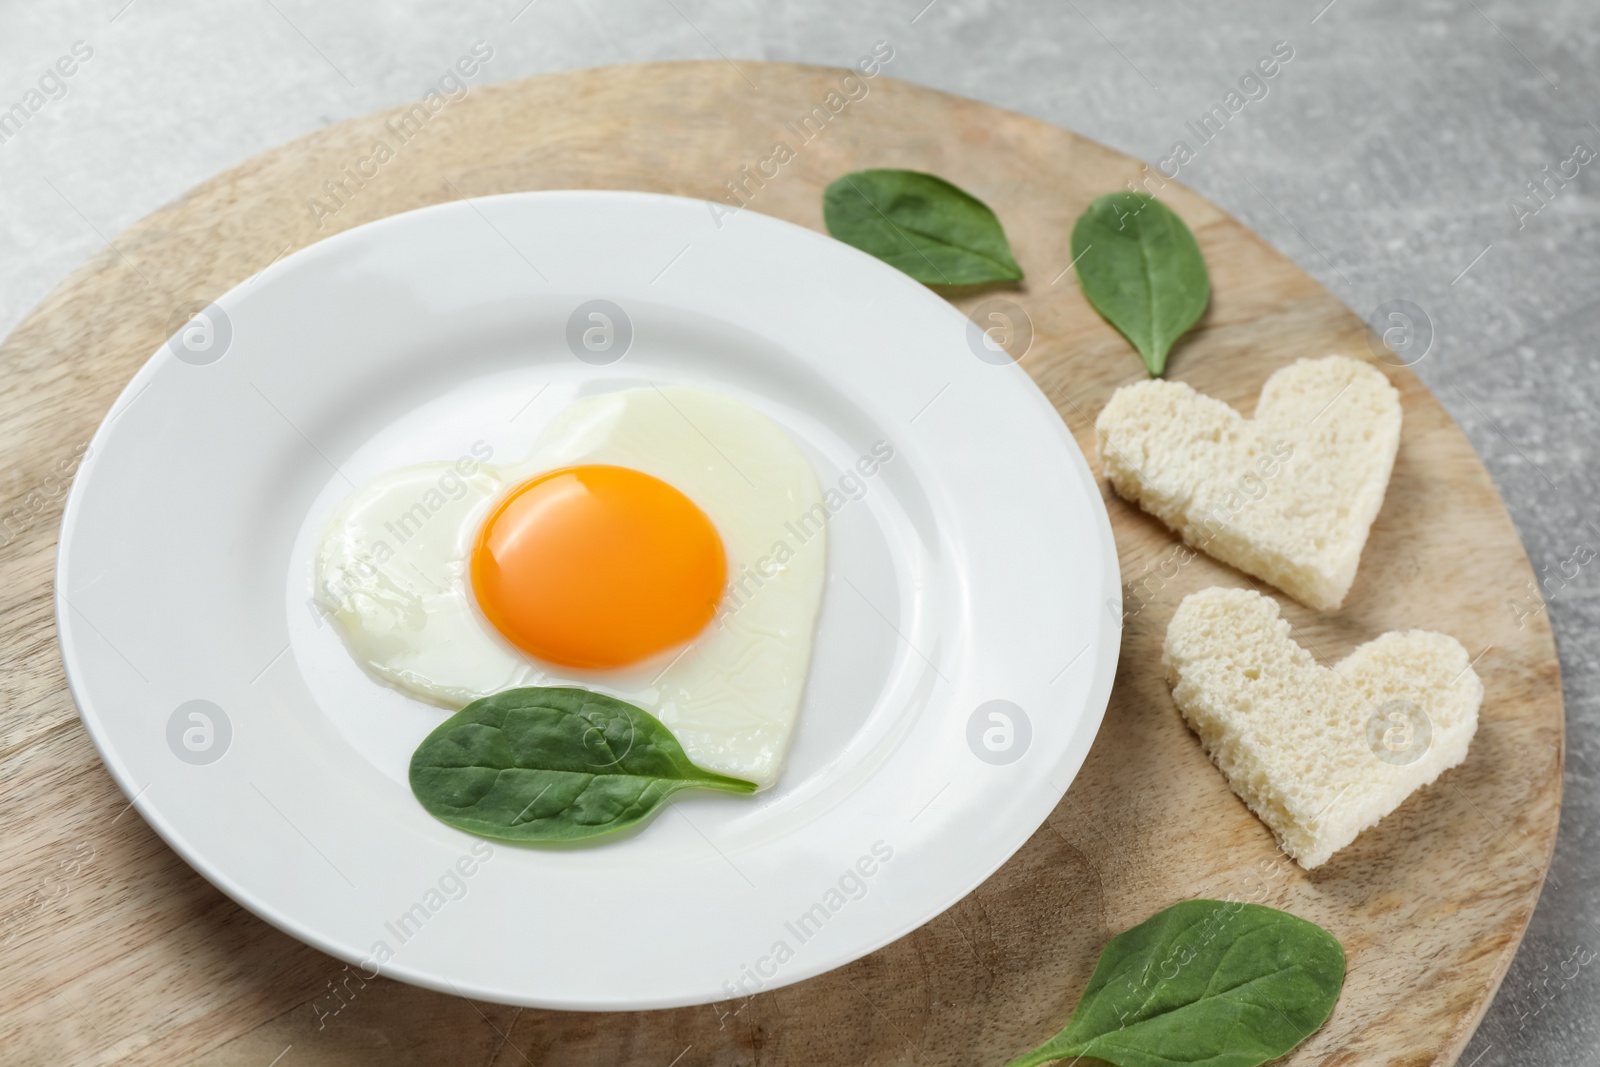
(1287, 496)
(1319, 753)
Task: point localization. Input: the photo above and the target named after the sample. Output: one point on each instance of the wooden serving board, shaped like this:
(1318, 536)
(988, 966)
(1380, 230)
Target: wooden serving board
(115, 951)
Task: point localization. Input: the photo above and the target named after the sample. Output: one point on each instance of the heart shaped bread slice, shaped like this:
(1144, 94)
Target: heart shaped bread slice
(1319, 753)
(1287, 496)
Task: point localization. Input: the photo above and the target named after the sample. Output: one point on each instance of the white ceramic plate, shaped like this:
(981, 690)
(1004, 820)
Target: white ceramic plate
(976, 567)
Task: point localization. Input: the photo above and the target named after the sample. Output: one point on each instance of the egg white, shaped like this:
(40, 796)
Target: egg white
(392, 573)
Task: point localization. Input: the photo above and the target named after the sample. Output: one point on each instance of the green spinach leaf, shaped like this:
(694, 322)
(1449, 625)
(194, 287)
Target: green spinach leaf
(1206, 983)
(552, 764)
(1140, 267)
(935, 232)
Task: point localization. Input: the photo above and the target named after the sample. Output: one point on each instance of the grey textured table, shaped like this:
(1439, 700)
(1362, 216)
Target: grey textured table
(1391, 159)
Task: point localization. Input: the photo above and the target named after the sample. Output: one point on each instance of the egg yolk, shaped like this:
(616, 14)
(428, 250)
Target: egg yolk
(597, 566)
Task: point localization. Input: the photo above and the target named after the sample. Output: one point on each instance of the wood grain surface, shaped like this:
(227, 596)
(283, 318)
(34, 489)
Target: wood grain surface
(115, 951)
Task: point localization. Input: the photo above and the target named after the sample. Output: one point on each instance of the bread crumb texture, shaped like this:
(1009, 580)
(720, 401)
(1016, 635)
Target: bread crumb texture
(1318, 754)
(1287, 496)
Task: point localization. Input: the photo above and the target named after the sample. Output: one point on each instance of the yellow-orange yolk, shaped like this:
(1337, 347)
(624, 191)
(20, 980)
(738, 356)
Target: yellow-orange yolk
(596, 566)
